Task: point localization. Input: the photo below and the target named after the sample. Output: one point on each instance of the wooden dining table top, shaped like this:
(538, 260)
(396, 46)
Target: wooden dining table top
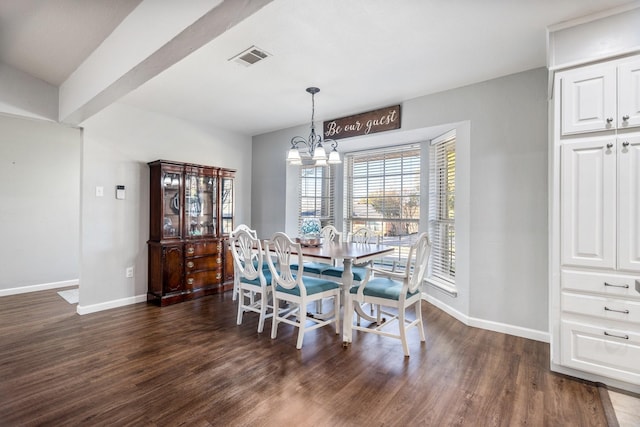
(352, 251)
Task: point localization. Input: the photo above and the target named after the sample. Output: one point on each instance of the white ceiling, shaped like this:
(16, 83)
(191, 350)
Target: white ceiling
(49, 39)
(363, 54)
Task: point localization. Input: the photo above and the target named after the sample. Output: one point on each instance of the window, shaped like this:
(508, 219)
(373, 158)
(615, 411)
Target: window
(442, 186)
(382, 192)
(315, 194)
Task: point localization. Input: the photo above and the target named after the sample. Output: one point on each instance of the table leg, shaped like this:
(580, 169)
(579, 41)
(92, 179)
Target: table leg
(347, 318)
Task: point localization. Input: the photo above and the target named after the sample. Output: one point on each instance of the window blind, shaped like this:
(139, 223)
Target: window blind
(442, 185)
(316, 194)
(382, 192)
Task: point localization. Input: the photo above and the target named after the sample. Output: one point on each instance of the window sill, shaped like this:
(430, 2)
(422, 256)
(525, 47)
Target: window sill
(447, 288)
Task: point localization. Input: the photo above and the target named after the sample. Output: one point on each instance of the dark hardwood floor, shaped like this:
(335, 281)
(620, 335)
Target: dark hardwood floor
(189, 364)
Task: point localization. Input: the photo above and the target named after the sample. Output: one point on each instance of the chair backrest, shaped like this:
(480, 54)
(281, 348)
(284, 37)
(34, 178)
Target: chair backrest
(246, 228)
(418, 261)
(331, 234)
(247, 253)
(286, 252)
(364, 235)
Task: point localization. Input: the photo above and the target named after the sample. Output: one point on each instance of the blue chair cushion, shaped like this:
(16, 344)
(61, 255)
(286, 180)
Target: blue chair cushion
(383, 287)
(313, 285)
(358, 272)
(313, 267)
(256, 281)
(265, 264)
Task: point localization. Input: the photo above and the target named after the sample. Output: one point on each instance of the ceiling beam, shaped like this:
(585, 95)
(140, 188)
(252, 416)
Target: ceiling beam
(148, 41)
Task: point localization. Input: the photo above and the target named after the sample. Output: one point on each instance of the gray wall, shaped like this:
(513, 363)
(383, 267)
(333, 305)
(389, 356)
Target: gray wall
(118, 143)
(505, 265)
(40, 207)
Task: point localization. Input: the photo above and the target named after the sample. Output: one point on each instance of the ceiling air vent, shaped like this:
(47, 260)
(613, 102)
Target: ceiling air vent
(250, 56)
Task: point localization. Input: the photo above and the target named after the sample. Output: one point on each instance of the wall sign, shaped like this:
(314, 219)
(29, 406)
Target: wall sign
(380, 120)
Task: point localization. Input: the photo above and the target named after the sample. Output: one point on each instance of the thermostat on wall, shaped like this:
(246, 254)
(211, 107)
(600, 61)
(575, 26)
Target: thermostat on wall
(120, 192)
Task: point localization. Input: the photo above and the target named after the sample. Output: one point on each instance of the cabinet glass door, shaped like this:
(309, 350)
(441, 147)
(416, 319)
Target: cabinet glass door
(200, 203)
(227, 205)
(172, 204)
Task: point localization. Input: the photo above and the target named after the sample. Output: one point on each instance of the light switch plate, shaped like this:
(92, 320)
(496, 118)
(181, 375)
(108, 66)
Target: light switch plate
(99, 191)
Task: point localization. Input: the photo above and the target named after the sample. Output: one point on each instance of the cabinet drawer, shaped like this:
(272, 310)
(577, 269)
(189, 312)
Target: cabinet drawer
(603, 307)
(202, 278)
(202, 248)
(610, 352)
(211, 262)
(607, 284)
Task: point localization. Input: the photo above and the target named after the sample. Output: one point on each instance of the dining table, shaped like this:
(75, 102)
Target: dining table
(350, 254)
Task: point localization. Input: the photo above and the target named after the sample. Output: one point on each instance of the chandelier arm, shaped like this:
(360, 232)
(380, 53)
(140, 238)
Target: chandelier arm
(332, 142)
(297, 140)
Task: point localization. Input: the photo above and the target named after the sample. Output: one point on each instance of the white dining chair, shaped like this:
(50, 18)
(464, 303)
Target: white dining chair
(297, 289)
(392, 289)
(362, 235)
(253, 281)
(254, 234)
(329, 234)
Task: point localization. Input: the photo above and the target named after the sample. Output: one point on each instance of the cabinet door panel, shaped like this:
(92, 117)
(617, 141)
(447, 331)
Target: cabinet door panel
(629, 204)
(172, 269)
(588, 206)
(589, 348)
(629, 95)
(588, 100)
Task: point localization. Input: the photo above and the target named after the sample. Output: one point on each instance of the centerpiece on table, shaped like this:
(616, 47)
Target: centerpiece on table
(310, 232)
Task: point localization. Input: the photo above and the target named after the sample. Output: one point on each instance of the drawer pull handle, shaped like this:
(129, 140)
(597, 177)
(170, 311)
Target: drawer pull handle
(190, 264)
(616, 286)
(190, 250)
(190, 281)
(624, 337)
(617, 311)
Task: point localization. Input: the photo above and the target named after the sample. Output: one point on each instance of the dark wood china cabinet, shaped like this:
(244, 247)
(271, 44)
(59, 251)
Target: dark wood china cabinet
(191, 216)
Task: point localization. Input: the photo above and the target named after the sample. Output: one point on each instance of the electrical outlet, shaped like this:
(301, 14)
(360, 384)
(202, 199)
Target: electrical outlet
(129, 272)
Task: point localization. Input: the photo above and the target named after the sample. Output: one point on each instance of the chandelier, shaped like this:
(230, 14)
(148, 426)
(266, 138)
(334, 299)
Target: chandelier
(313, 146)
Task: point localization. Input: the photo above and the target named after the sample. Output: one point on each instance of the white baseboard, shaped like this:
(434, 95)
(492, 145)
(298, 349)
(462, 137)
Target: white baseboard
(504, 328)
(40, 287)
(93, 308)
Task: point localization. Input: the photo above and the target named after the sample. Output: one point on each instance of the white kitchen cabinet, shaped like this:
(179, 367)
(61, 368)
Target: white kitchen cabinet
(602, 349)
(595, 223)
(588, 203)
(600, 203)
(629, 203)
(601, 97)
(629, 94)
